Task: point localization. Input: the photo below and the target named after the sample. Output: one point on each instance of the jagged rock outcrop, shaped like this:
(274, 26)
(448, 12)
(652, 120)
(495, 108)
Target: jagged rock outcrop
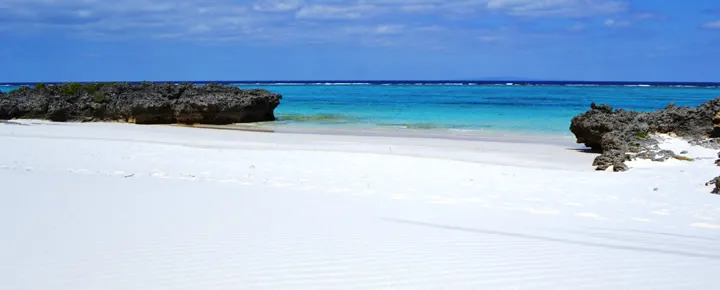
(620, 135)
(716, 126)
(144, 103)
(715, 182)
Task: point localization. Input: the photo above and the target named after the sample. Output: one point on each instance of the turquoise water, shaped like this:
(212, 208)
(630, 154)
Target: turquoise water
(482, 108)
(6, 89)
(542, 109)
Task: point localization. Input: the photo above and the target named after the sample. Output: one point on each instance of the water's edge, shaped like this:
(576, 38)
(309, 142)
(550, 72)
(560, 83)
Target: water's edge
(565, 140)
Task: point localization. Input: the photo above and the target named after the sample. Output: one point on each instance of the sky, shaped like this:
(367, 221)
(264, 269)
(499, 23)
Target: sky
(156, 40)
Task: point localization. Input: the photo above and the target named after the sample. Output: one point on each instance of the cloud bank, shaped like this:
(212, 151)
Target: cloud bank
(367, 21)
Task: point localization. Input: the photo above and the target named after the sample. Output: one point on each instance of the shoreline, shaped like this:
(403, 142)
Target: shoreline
(349, 131)
(265, 127)
(490, 149)
(464, 135)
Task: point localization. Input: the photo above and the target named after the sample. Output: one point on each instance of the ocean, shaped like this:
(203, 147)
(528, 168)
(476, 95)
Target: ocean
(469, 107)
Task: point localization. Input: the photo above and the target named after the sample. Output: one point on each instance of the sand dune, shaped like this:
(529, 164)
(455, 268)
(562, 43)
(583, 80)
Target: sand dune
(117, 206)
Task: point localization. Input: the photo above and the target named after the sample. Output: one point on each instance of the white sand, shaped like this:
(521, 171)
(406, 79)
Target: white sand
(116, 206)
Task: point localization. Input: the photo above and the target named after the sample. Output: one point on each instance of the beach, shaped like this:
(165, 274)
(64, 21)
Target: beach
(121, 206)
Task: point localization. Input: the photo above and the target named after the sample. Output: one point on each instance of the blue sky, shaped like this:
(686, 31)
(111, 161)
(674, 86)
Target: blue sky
(102, 40)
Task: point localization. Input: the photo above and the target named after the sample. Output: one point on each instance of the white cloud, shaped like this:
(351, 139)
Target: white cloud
(577, 27)
(490, 38)
(84, 13)
(278, 5)
(570, 8)
(712, 25)
(384, 29)
(357, 21)
(120, 18)
(200, 28)
(430, 28)
(337, 11)
(389, 29)
(419, 8)
(647, 16)
(616, 23)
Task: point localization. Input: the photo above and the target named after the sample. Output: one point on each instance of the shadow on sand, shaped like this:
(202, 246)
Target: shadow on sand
(233, 127)
(712, 256)
(585, 150)
(10, 122)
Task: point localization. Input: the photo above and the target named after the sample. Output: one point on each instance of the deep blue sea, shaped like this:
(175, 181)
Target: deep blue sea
(539, 108)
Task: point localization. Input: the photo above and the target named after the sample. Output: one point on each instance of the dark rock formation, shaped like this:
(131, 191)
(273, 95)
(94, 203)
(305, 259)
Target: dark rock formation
(621, 135)
(716, 126)
(144, 103)
(714, 182)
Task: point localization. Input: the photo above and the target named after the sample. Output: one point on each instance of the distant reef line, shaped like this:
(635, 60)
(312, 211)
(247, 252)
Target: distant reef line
(141, 103)
(514, 82)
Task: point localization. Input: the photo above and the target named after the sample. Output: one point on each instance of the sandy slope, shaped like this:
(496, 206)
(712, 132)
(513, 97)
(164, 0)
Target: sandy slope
(115, 206)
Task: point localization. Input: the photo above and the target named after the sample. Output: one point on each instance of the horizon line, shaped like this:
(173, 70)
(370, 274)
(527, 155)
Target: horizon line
(360, 81)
